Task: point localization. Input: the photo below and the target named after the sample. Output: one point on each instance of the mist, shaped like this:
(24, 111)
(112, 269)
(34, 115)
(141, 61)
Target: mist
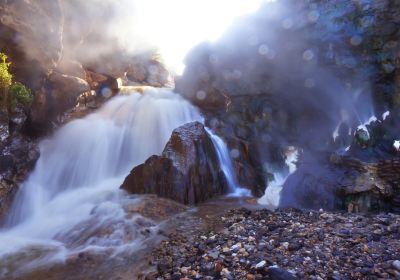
(287, 51)
(88, 31)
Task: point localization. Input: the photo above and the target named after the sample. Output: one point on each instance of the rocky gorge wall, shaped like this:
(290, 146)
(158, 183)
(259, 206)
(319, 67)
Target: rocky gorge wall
(290, 76)
(48, 55)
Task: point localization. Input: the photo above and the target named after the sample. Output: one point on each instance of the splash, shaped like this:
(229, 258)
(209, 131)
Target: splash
(272, 194)
(71, 201)
(396, 145)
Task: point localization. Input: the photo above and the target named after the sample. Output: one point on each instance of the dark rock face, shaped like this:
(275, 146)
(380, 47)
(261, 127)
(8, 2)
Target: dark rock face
(53, 53)
(17, 159)
(245, 126)
(188, 170)
(344, 182)
(281, 79)
(31, 35)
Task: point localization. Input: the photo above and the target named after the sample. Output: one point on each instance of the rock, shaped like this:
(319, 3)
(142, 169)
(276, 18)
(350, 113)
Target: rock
(31, 35)
(63, 84)
(295, 245)
(213, 254)
(218, 267)
(276, 273)
(250, 277)
(260, 114)
(50, 103)
(329, 258)
(187, 171)
(18, 158)
(261, 265)
(396, 264)
(71, 68)
(235, 248)
(137, 73)
(158, 75)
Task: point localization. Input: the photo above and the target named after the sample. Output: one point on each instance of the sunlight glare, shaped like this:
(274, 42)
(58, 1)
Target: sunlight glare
(176, 26)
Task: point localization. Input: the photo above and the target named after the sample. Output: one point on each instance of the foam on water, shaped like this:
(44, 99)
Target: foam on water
(272, 194)
(73, 193)
(72, 202)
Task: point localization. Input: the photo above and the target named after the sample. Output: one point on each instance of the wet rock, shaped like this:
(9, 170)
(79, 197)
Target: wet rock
(396, 265)
(31, 35)
(18, 158)
(340, 255)
(188, 170)
(58, 96)
(261, 265)
(276, 273)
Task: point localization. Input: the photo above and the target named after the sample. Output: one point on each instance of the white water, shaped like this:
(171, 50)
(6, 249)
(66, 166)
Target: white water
(227, 167)
(71, 202)
(74, 190)
(272, 195)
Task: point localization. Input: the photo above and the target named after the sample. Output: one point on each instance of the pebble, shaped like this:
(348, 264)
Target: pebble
(261, 264)
(299, 245)
(396, 265)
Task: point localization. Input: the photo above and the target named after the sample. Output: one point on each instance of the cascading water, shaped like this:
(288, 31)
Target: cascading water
(272, 195)
(226, 166)
(73, 193)
(77, 178)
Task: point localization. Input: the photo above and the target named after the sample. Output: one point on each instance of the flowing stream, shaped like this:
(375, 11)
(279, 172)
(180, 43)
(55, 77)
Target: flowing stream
(71, 201)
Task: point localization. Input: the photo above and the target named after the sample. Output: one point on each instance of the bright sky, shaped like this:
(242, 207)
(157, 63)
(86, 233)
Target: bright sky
(176, 26)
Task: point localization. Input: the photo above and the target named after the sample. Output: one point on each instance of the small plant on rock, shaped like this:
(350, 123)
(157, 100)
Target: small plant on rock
(5, 80)
(18, 93)
(11, 94)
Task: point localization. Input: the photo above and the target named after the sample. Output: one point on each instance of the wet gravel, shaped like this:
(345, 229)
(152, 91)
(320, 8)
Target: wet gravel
(286, 244)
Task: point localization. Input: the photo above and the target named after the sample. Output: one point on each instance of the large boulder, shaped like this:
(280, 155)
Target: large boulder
(188, 170)
(58, 96)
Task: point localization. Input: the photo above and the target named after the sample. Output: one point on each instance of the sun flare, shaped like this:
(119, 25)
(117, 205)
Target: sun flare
(176, 26)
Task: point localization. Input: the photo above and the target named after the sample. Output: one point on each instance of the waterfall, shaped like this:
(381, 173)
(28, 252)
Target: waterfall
(74, 187)
(71, 202)
(227, 166)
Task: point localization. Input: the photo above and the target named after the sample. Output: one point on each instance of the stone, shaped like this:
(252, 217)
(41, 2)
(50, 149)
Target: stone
(51, 102)
(31, 35)
(188, 170)
(17, 160)
(260, 265)
(276, 273)
(396, 264)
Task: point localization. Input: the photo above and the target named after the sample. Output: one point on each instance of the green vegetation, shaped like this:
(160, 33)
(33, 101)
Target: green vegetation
(5, 79)
(11, 94)
(18, 93)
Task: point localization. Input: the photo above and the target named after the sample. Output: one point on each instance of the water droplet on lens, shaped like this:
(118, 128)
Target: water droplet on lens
(201, 95)
(356, 40)
(308, 55)
(263, 49)
(313, 16)
(287, 23)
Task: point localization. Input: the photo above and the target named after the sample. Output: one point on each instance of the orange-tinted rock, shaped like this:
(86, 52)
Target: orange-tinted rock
(188, 170)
